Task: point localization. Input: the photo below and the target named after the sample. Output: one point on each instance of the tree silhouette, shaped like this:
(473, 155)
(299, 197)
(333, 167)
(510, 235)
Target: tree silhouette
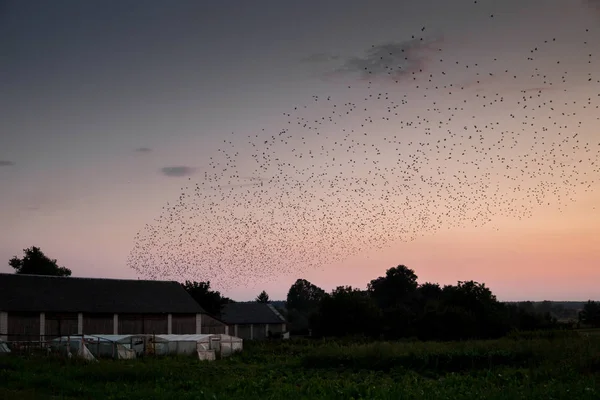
(263, 297)
(478, 307)
(397, 286)
(302, 303)
(347, 311)
(395, 294)
(395, 306)
(429, 291)
(35, 262)
(523, 316)
(590, 315)
(211, 301)
(304, 296)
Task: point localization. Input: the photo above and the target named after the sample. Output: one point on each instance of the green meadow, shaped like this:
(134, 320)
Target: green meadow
(559, 365)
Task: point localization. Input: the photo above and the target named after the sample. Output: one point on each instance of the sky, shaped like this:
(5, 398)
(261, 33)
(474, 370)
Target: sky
(124, 148)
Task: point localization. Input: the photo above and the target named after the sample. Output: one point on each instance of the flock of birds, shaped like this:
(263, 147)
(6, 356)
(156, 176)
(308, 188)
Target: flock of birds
(400, 152)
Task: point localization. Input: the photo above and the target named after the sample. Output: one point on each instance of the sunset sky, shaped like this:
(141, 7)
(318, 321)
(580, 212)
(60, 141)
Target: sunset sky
(108, 108)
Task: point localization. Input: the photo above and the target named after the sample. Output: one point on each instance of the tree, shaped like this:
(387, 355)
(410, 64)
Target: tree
(487, 316)
(544, 307)
(590, 315)
(302, 303)
(304, 296)
(429, 295)
(395, 294)
(396, 287)
(429, 291)
(523, 316)
(429, 324)
(469, 295)
(347, 311)
(35, 262)
(527, 306)
(263, 297)
(211, 301)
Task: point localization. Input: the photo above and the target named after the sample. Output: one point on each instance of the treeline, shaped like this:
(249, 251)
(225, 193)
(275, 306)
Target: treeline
(396, 306)
(561, 310)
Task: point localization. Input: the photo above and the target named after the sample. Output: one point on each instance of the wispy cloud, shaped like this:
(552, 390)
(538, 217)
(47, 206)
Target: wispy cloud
(143, 150)
(178, 171)
(394, 60)
(6, 163)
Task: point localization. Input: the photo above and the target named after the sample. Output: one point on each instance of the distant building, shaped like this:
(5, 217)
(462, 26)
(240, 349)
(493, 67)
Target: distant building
(253, 320)
(34, 306)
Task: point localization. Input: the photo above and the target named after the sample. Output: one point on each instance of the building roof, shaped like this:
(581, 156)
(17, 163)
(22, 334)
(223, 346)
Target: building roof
(250, 313)
(36, 293)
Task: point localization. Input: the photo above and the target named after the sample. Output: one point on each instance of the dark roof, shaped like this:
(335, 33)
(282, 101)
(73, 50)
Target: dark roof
(22, 293)
(250, 313)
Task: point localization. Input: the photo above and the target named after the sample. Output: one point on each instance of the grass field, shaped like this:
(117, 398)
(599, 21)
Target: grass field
(531, 367)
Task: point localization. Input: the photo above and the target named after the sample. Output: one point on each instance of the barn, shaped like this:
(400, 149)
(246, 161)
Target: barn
(252, 320)
(34, 307)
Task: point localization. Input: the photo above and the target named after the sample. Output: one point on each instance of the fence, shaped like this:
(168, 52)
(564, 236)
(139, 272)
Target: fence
(79, 345)
(26, 344)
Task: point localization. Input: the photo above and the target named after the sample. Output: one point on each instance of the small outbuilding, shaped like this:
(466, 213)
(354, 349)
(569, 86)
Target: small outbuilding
(253, 320)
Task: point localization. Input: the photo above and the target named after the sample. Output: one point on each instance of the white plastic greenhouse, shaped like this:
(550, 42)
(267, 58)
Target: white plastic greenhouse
(72, 346)
(206, 346)
(90, 347)
(4, 349)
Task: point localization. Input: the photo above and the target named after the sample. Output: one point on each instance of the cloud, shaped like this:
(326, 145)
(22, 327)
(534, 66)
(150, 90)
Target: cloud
(143, 150)
(391, 60)
(177, 171)
(6, 163)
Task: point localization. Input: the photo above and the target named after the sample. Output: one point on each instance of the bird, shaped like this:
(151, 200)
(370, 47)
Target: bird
(420, 142)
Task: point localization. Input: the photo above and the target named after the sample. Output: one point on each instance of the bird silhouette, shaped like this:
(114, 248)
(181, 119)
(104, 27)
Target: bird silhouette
(420, 141)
